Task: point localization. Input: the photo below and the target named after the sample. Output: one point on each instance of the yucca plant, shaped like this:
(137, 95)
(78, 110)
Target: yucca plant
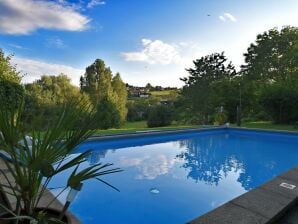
(32, 165)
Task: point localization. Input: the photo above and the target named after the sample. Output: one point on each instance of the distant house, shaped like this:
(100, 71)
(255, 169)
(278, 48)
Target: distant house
(144, 95)
(135, 91)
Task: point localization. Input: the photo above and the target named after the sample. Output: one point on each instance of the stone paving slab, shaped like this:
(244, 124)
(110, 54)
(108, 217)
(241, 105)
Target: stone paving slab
(291, 217)
(230, 213)
(274, 186)
(261, 202)
(263, 205)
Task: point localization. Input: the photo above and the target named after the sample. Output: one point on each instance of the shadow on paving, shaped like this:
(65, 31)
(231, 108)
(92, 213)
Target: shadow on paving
(290, 217)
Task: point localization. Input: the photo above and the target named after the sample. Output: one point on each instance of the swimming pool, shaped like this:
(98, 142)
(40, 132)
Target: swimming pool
(174, 178)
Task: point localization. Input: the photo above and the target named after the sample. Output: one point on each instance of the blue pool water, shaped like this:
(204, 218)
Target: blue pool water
(175, 178)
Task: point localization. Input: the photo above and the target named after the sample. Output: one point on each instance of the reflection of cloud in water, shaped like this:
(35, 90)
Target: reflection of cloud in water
(149, 167)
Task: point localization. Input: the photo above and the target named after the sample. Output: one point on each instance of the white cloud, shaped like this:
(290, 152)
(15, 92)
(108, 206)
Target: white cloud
(163, 67)
(16, 46)
(26, 16)
(155, 52)
(149, 167)
(33, 69)
(94, 3)
(55, 42)
(227, 17)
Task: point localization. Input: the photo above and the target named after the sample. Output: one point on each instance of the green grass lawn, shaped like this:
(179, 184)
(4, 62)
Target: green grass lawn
(269, 125)
(130, 127)
(162, 93)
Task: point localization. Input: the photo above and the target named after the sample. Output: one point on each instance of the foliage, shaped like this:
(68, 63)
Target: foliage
(7, 70)
(108, 114)
(120, 93)
(32, 165)
(280, 101)
(46, 97)
(138, 109)
(160, 116)
(220, 118)
(274, 55)
(11, 94)
(203, 83)
(261, 87)
(271, 70)
(11, 90)
(98, 82)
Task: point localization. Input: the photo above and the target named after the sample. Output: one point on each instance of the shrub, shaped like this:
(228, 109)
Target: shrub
(159, 116)
(11, 94)
(108, 115)
(280, 101)
(220, 118)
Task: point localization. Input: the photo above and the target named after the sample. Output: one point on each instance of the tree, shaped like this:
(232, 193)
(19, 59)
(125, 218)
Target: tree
(46, 97)
(273, 56)
(271, 67)
(7, 70)
(11, 91)
(108, 114)
(280, 101)
(11, 94)
(120, 93)
(98, 82)
(201, 86)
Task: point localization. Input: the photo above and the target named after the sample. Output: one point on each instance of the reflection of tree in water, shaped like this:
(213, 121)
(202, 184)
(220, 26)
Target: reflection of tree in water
(206, 161)
(209, 159)
(96, 155)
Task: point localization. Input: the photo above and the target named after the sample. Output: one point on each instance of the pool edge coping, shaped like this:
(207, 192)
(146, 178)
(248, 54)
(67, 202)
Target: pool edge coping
(151, 133)
(181, 130)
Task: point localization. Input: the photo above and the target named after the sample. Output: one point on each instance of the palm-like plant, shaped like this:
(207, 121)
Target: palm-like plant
(32, 165)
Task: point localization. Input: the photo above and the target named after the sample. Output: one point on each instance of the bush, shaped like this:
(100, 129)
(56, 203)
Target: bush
(11, 94)
(220, 118)
(107, 114)
(280, 101)
(137, 110)
(160, 116)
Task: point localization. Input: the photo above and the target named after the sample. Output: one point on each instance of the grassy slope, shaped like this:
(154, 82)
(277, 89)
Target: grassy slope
(162, 93)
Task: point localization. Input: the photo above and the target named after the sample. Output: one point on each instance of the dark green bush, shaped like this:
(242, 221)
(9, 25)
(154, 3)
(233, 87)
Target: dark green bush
(280, 101)
(107, 114)
(11, 94)
(160, 116)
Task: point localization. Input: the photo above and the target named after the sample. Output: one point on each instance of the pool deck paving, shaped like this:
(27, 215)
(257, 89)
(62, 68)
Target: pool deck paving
(268, 203)
(291, 217)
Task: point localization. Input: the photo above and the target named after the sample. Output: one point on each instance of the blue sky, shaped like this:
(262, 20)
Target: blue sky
(145, 40)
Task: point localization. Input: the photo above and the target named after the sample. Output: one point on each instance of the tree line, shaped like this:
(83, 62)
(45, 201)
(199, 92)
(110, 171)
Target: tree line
(45, 98)
(265, 88)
